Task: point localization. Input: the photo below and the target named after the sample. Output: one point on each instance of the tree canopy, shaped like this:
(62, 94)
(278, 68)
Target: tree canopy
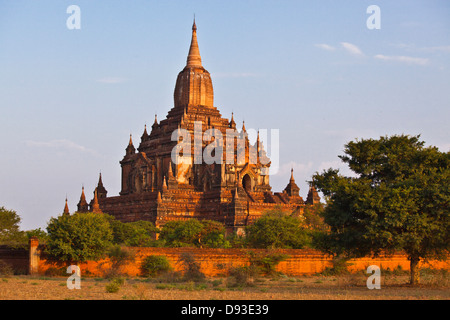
(133, 234)
(277, 229)
(79, 237)
(206, 233)
(397, 199)
(10, 232)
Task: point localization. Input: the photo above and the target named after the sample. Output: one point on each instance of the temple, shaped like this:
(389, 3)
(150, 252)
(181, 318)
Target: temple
(157, 186)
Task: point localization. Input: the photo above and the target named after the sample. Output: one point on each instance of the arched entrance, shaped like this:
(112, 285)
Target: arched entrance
(247, 183)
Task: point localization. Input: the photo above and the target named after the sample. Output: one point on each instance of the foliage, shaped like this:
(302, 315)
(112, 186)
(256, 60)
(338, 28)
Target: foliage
(191, 268)
(267, 263)
(277, 229)
(397, 199)
(154, 265)
(10, 233)
(114, 285)
(39, 233)
(133, 234)
(242, 276)
(119, 256)
(313, 217)
(79, 237)
(340, 264)
(206, 233)
(5, 269)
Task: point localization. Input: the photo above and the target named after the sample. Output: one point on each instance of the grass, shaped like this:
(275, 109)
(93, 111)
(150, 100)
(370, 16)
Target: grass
(435, 286)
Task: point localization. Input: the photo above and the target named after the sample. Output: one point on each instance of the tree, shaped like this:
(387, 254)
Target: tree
(397, 200)
(193, 232)
(141, 234)
(133, 234)
(182, 233)
(10, 232)
(277, 229)
(38, 233)
(212, 235)
(79, 237)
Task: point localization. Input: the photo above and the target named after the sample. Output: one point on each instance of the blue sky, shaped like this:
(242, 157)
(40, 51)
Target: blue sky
(312, 69)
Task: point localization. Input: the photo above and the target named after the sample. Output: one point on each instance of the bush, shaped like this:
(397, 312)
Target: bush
(191, 268)
(113, 287)
(119, 256)
(5, 269)
(55, 272)
(242, 276)
(267, 263)
(155, 265)
(339, 268)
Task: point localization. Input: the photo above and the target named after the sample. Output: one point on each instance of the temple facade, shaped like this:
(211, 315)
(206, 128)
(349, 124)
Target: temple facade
(195, 164)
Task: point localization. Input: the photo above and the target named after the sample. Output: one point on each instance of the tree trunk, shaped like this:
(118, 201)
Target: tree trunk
(414, 271)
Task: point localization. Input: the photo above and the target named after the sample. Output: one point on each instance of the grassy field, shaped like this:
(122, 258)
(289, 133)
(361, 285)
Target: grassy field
(434, 286)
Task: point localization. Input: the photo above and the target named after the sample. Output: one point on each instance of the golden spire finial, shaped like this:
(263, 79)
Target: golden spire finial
(66, 208)
(194, 59)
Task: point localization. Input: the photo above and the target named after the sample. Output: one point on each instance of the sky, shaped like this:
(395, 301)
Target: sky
(314, 70)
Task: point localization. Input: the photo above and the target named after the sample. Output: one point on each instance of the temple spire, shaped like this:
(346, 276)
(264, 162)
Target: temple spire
(66, 209)
(145, 134)
(130, 148)
(232, 123)
(82, 204)
(96, 206)
(100, 190)
(194, 59)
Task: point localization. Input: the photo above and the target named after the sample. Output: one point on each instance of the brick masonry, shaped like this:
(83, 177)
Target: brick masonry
(217, 262)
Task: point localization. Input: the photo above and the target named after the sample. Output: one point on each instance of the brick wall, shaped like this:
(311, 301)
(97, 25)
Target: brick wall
(17, 258)
(216, 262)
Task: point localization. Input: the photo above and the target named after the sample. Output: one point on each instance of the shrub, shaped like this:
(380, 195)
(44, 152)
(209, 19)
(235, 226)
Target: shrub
(112, 287)
(339, 267)
(5, 269)
(54, 272)
(267, 263)
(191, 268)
(243, 276)
(155, 265)
(119, 256)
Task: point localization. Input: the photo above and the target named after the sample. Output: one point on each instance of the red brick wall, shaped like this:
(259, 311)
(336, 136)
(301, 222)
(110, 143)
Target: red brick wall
(16, 258)
(216, 262)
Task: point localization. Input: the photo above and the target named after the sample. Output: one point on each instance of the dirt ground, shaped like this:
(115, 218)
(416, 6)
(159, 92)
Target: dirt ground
(348, 287)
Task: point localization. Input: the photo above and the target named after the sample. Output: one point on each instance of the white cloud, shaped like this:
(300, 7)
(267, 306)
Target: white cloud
(59, 144)
(111, 80)
(414, 48)
(403, 59)
(325, 46)
(352, 49)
